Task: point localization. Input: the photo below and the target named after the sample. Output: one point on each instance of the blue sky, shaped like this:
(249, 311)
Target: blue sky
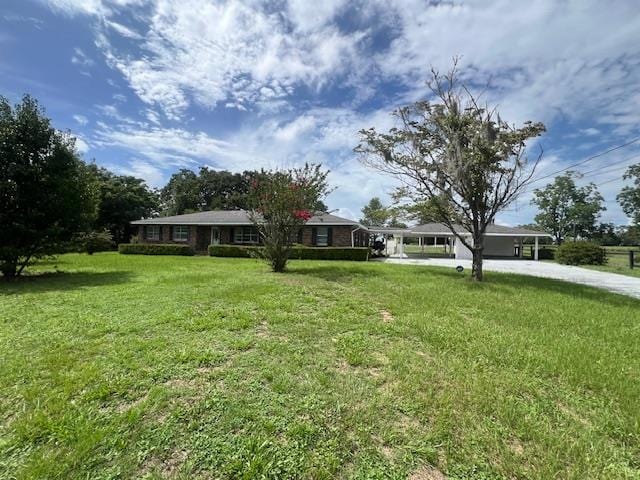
(151, 86)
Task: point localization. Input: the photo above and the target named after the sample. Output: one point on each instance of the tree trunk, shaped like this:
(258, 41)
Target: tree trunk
(477, 251)
(9, 271)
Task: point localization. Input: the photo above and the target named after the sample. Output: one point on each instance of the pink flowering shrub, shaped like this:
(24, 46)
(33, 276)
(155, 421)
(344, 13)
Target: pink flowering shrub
(282, 202)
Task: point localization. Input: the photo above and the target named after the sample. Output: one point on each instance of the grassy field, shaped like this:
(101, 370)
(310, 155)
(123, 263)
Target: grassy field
(617, 257)
(195, 367)
(617, 260)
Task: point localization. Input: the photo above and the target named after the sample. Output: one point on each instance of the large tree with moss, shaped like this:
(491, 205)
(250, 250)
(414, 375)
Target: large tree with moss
(46, 192)
(456, 154)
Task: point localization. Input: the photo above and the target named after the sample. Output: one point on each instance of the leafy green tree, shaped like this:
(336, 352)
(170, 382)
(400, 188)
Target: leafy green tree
(282, 202)
(181, 194)
(629, 236)
(606, 234)
(123, 198)
(188, 192)
(456, 153)
(223, 190)
(46, 192)
(375, 214)
(629, 197)
(94, 241)
(568, 210)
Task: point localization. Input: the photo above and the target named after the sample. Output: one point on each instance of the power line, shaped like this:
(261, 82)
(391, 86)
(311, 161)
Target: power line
(597, 170)
(630, 142)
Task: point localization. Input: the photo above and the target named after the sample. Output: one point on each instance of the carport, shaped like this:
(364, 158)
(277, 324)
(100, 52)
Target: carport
(500, 241)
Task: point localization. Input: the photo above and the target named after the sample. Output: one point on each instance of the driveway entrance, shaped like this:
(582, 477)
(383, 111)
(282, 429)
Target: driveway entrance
(608, 281)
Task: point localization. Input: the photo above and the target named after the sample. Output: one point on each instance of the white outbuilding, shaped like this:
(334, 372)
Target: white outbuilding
(499, 241)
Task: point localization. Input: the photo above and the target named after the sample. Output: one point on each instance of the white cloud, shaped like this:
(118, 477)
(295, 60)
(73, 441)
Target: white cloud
(90, 7)
(80, 58)
(149, 172)
(124, 30)
(235, 53)
(81, 120)
(571, 63)
(81, 145)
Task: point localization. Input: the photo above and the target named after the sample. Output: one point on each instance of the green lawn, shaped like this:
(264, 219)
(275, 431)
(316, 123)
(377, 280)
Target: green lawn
(617, 260)
(196, 367)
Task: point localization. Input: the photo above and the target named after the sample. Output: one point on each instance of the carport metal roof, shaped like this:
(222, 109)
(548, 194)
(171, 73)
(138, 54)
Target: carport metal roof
(441, 230)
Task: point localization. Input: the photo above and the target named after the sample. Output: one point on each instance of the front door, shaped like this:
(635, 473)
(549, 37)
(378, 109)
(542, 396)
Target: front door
(215, 236)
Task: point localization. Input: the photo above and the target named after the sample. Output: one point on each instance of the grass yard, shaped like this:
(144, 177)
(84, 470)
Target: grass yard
(618, 261)
(197, 367)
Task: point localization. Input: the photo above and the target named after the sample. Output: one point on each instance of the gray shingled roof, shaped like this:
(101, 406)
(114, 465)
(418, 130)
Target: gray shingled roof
(443, 230)
(234, 217)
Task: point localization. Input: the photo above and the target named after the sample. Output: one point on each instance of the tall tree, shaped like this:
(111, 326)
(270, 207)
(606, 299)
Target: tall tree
(209, 189)
(629, 197)
(46, 192)
(181, 194)
(375, 214)
(606, 234)
(223, 190)
(123, 198)
(456, 153)
(568, 210)
(282, 202)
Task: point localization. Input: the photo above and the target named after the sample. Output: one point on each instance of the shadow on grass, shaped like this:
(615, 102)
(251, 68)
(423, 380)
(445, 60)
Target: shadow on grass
(61, 281)
(334, 271)
(509, 282)
(518, 283)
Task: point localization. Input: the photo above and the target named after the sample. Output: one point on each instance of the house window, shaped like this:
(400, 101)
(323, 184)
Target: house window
(245, 235)
(180, 233)
(153, 232)
(322, 236)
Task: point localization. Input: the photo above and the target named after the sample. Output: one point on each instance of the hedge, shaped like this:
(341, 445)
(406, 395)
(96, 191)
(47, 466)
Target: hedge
(581, 253)
(235, 251)
(545, 253)
(154, 249)
(359, 254)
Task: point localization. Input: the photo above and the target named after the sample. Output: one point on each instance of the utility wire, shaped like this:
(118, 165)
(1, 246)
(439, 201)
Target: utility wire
(589, 173)
(630, 142)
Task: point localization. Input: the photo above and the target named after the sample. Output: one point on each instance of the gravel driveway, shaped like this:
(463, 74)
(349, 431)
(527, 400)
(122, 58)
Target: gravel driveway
(609, 281)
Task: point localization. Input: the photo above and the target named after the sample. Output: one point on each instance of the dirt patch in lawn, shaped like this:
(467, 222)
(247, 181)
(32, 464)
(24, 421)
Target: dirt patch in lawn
(167, 467)
(427, 473)
(386, 315)
(126, 406)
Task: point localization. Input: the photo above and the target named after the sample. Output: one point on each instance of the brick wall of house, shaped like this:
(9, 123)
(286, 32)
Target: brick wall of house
(340, 236)
(166, 237)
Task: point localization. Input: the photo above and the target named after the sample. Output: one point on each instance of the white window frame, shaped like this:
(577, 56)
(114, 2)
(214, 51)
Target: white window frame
(246, 235)
(180, 233)
(325, 236)
(152, 232)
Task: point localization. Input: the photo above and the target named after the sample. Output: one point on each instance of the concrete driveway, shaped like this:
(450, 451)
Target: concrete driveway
(609, 281)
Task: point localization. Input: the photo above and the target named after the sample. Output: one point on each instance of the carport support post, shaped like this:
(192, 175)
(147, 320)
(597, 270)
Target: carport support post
(401, 246)
(535, 251)
(521, 243)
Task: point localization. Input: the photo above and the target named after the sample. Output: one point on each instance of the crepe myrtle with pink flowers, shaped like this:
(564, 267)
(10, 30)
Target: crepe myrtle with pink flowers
(282, 202)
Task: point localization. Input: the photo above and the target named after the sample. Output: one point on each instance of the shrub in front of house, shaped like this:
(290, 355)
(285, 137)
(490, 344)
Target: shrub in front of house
(545, 253)
(233, 251)
(581, 253)
(358, 254)
(154, 249)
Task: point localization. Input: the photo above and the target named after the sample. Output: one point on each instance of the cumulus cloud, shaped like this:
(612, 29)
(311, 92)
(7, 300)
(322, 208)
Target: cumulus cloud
(81, 120)
(317, 72)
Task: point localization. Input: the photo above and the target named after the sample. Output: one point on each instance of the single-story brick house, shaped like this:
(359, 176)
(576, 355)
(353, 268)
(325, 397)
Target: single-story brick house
(234, 227)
